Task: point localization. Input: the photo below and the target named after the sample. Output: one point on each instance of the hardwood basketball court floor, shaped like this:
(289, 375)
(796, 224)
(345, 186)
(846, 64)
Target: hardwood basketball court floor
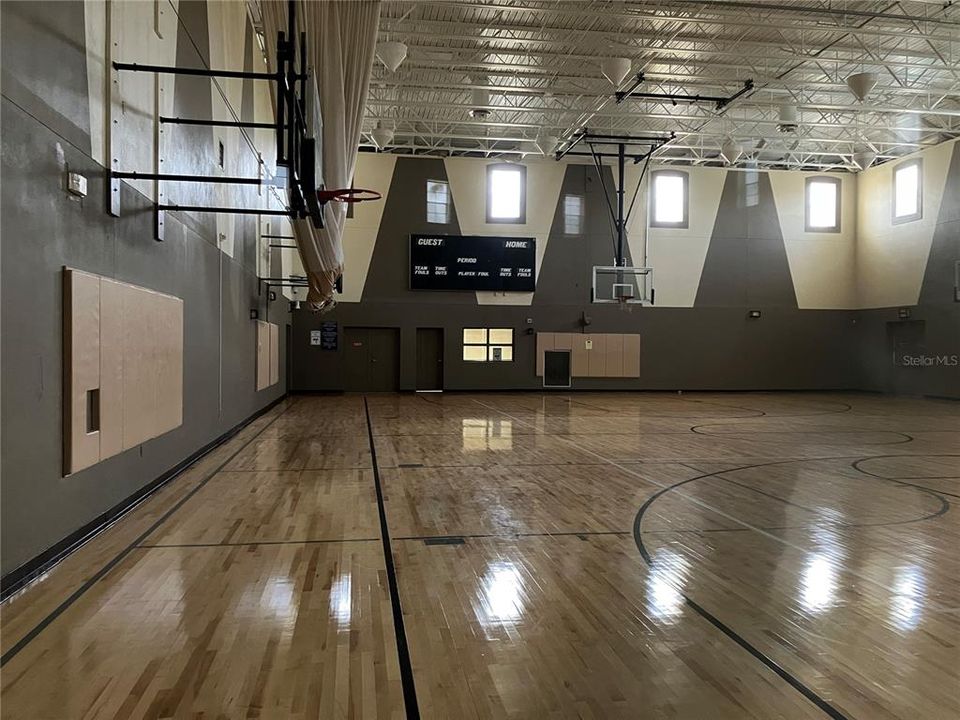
(590, 555)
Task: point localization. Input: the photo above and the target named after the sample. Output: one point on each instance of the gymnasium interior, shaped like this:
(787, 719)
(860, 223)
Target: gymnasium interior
(480, 359)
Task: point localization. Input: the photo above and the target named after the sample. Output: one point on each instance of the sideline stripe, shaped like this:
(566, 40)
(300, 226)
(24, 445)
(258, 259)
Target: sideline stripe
(403, 651)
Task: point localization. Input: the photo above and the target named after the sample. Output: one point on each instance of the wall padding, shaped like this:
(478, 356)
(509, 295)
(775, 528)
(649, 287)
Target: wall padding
(123, 343)
(268, 354)
(611, 355)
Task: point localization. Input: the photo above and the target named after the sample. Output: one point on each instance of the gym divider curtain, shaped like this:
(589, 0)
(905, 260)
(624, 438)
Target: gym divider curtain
(341, 41)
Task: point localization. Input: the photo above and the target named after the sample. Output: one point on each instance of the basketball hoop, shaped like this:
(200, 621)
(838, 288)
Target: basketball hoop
(622, 285)
(348, 195)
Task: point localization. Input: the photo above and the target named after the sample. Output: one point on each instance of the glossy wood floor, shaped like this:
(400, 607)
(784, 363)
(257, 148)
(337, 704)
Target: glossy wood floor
(608, 555)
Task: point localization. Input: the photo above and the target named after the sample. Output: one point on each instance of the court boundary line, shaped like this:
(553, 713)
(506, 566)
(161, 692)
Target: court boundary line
(411, 706)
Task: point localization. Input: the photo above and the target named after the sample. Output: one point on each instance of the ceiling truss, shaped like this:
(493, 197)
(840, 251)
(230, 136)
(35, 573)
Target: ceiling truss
(491, 77)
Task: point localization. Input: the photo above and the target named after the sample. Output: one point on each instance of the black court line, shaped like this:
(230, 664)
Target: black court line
(903, 481)
(254, 543)
(403, 650)
(734, 436)
(512, 536)
(119, 557)
(784, 674)
(767, 661)
(309, 469)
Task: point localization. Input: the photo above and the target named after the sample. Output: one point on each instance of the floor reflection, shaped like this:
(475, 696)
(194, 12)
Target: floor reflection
(501, 596)
(665, 584)
(340, 607)
(910, 590)
(487, 434)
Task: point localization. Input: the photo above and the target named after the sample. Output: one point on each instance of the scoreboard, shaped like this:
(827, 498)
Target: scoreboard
(473, 262)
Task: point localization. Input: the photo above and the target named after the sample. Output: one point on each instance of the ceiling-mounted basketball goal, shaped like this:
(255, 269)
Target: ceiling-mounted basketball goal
(619, 283)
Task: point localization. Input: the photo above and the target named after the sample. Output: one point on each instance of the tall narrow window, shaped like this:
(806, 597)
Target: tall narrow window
(438, 202)
(907, 192)
(573, 214)
(823, 204)
(506, 194)
(670, 199)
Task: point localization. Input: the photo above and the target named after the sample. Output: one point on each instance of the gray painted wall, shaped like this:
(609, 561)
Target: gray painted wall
(711, 346)
(746, 263)
(44, 228)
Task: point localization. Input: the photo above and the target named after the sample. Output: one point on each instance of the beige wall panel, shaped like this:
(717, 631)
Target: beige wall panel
(140, 368)
(111, 367)
(614, 353)
(263, 355)
(81, 367)
(544, 343)
(631, 356)
(168, 314)
(274, 353)
(579, 356)
(597, 355)
(563, 341)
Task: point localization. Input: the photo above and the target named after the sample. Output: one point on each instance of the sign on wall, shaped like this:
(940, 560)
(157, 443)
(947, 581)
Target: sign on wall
(472, 262)
(326, 337)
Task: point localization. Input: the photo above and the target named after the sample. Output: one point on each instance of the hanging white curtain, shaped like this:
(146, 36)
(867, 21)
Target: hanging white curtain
(341, 42)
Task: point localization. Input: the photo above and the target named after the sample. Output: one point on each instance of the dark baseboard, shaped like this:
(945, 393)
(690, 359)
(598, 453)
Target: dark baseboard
(17, 579)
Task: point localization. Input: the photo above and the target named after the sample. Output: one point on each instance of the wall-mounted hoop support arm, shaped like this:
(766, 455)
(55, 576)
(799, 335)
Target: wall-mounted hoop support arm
(165, 120)
(227, 210)
(174, 177)
(290, 126)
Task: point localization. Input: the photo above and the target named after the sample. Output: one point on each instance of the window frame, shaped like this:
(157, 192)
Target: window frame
(446, 205)
(580, 217)
(838, 188)
(683, 224)
(487, 344)
(522, 170)
(912, 217)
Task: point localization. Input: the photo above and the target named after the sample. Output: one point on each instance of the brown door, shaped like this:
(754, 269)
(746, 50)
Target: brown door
(429, 359)
(906, 343)
(384, 369)
(371, 359)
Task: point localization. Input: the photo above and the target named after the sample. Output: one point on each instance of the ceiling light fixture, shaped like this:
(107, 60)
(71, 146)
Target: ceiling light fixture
(861, 84)
(381, 136)
(864, 159)
(615, 69)
(392, 54)
(731, 150)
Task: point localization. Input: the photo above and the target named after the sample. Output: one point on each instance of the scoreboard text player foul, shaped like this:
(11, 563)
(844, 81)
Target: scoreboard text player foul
(472, 262)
